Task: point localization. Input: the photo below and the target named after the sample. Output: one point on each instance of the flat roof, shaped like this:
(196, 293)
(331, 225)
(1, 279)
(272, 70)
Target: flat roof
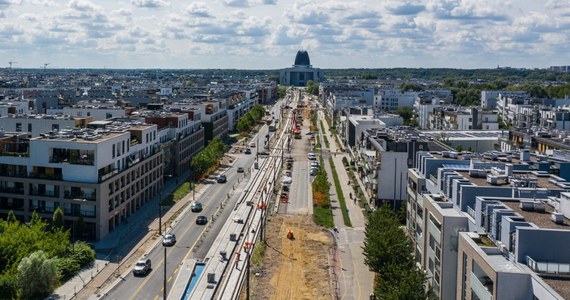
(560, 285)
(541, 220)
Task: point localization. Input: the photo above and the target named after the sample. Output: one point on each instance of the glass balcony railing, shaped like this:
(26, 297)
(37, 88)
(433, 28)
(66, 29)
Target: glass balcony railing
(549, 268)
(480, 289)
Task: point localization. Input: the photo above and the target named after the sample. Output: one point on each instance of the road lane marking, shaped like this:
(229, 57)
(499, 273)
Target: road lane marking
(162, 261)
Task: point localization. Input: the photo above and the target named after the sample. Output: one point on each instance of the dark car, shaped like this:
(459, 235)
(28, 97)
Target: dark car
(263, 153)
(240, 170)
(142, 267)
(247, 151)
(201, 220)
(222, 179)
(169, 240)
(196, 206)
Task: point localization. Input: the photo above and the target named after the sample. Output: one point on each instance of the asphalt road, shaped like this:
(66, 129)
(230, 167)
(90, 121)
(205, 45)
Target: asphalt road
(188, 233)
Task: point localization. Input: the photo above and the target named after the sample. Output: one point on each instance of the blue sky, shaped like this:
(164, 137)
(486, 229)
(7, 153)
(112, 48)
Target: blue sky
(266, 34)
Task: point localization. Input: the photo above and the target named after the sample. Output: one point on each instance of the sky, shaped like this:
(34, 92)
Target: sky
(266, 34)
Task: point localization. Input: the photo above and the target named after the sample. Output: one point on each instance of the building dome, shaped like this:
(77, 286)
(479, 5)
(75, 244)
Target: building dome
(302, 58)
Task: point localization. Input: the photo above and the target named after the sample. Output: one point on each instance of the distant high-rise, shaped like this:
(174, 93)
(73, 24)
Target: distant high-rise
(301, 72)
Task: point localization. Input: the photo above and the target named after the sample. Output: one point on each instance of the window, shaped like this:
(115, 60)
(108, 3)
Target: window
(18, 127)
(29, 127)
(55, 127)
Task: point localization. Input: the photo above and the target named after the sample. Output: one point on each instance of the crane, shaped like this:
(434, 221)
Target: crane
(45, 65)
(11, 62)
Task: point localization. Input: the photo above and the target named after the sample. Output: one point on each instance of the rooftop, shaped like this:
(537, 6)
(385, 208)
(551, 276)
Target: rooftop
(540, 219)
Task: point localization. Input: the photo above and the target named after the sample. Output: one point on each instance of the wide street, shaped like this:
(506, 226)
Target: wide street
(193, 241)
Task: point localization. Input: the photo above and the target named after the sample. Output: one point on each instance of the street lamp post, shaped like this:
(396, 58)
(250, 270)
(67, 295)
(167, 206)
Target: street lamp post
(162, 235)
(164, 282)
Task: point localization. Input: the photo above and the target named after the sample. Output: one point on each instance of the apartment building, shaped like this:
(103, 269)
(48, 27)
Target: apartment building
(35, 125)
(390, 100)
(181, 136)
(99, 177)
(98, 110)
(487, 226)
(214, 119)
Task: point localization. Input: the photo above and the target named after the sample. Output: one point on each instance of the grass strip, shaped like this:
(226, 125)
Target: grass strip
(340, 195)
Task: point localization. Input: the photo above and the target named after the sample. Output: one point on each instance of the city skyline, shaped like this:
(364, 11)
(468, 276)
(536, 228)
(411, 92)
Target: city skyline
(265, 34)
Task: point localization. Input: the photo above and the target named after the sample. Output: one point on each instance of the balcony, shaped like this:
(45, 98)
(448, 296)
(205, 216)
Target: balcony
(36, 192)
(77, 213)
(12, 190)
(42, 209)
(80, 195)
(482, 290)
(471, 212)
(46, 176)
(549, 268)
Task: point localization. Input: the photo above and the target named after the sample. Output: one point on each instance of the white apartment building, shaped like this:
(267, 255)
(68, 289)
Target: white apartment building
(490, 225)
(99, 177)
(98, 110)
(35, 125)
(390, 100)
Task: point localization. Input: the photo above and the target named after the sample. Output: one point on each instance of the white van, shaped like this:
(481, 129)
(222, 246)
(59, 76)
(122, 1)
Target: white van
(311, 156)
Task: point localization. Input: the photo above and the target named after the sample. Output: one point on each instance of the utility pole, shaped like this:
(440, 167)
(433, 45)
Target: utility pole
(164, 283)
(248, 271)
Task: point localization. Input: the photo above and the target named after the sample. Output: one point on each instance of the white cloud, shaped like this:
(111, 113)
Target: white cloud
(149, 3)
(360, 33)
(198, 9)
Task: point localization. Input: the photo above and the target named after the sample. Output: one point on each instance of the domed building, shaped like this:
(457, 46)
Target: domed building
(301, 72)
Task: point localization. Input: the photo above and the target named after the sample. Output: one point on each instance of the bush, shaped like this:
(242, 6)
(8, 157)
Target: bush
(67, 268)
(83, 254)
(8, 286)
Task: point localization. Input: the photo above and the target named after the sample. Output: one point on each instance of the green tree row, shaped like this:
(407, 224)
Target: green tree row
(312, 88)
(35, 257)
(208, 157)
(388, 253)
(247, 121)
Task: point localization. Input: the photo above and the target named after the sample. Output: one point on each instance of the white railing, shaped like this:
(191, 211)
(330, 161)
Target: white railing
(548, 267)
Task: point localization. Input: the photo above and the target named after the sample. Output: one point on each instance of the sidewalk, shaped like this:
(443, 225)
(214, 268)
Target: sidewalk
(124, 245)
(355, 281)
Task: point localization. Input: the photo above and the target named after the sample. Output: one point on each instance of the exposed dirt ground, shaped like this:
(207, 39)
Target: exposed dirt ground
(294, 269)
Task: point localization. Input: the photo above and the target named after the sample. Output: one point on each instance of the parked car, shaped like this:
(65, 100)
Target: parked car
(247, 151)
(196, 206)
(142, 267)
(240, 170)
(222, 179)
(252, 145)
(263, 153)
(201, 220)
(313, 172)
(286, 180)
(169, 240)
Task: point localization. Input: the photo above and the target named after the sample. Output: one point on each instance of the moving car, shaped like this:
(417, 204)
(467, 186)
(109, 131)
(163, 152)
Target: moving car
(201, 220)
(247, 151)
(142, 267)
(222, 179)
(240, 170)
(252, 145)
(196, 206)
(169, 240)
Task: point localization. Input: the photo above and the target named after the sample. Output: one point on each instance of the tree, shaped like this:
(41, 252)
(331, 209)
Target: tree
(11, 217)
(37, 276)
(57, 219)
(36, 219)
(312, 88)
(388, 252)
